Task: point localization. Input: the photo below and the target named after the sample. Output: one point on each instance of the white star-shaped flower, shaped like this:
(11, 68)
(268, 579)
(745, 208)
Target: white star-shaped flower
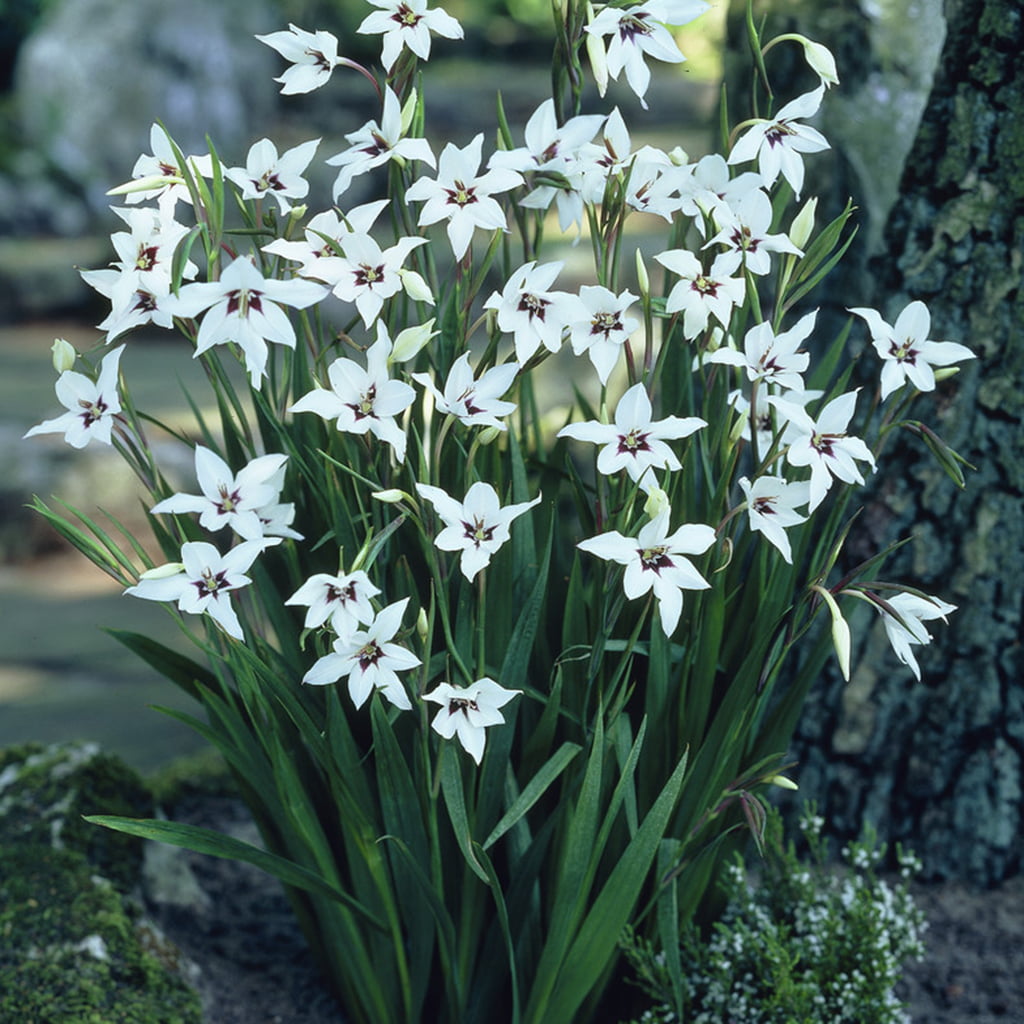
(203, 581)
(313, 56)
(906, 352)
(478, 526)
(700, 294)
(655, 560)
(467, 711)
(407, 23)
(635, 442)
(343, 599)
(640, 30)
(370, 660)
(375, 144)
(458, 196)
(245, 307)
(905, 629)
(602, 327)
(475, 402)
(229, 499)
(530, 311)
(823, 444)
(361, 400)
(776, 143)
(771, 508)
(745, 229)
(770, 357)
(91, 404)
(265, 173)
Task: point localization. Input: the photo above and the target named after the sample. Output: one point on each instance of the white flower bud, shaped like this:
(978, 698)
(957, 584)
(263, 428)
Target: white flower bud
(945, 372)
(146, 184)
(820, 58)
(642, 279)
(598, 56)
(783, 783)
(803, 223)
(840, 631)
(415, 287)
(422, 624)
(679, 156)
(392, 496)
(489, 434)
(408, 111)
(657, 502)
(161, 572)
(410, 341)
(64, 355)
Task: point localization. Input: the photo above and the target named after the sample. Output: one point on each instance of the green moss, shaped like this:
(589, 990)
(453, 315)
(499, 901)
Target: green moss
(45, 791)
(204, 773)
(71, 951)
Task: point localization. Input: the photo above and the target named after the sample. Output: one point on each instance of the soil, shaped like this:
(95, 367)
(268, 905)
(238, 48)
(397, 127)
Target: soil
(253, 966)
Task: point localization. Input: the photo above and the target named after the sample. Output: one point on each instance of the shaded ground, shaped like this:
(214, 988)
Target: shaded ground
(255, 968)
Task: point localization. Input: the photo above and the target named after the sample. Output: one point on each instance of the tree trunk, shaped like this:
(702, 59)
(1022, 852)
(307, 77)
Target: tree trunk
(938, 764)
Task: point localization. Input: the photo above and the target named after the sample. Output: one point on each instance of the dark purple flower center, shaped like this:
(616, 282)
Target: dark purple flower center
(146, 260)
(461, 195)
(605, 323)
(655, 559)
(367, 276)
(633, 442)
(631, 25)
(364, 407)
(477, 532)
(369, 655)
(777, 133)
(241, 301)
(211, 584)
(341, 594)
(463, 704)
(92, 411)
(533, 305)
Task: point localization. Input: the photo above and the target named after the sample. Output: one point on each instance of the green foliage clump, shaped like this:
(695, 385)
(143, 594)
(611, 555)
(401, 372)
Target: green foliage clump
(808, 944)
(70, 951)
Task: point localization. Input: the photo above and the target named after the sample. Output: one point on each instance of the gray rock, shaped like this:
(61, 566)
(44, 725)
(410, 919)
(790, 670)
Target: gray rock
(97, 74)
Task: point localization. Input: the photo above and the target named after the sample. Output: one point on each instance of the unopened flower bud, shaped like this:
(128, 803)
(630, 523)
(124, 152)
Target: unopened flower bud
(161, 572)
(783, 783)
(679, 156)
(489, 434)
(422, 625)
(296, 213)
(598, 56)
(392, 496)
(410, 341)
(64, 355)
(840, 631)
(642, 279)
(408, 112)
(146, 184)
(415, 287)
(657, 501)
(803, 223)
(945, 372)
(820, 58)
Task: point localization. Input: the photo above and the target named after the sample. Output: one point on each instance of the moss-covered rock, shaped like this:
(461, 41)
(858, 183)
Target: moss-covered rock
(46, 790)
(72, 951)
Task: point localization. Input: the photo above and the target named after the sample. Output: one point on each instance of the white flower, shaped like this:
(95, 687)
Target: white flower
(205, 581)
(366, 275)
(635, 442)
(476, 403)
(823, 444)
(477, 527)
(527, 309)
(325, 235)
(641, 30)
(245, 308)
(906, 628)
(266, 173)
(370, 660)
(467, 711)
(773, 358)
(313, 56)
(654, 560)
(374, 145)
(771, 508)
(345, 600)
(699, 294)
(230, 499)
(159, 177)
(744, 228)
(363, 400)
(407, 23)
(460, 197)
(602, 327)
(907, 353)
(91, 404)
(777, 143)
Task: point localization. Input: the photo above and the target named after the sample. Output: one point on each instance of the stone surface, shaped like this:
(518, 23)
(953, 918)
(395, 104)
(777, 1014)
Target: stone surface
(96, 74)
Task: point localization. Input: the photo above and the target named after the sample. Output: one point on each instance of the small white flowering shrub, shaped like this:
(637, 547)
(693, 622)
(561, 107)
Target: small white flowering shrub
(805, 942)
(495, 677)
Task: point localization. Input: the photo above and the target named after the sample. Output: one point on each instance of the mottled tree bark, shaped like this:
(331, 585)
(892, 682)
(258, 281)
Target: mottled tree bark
(938, 763)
